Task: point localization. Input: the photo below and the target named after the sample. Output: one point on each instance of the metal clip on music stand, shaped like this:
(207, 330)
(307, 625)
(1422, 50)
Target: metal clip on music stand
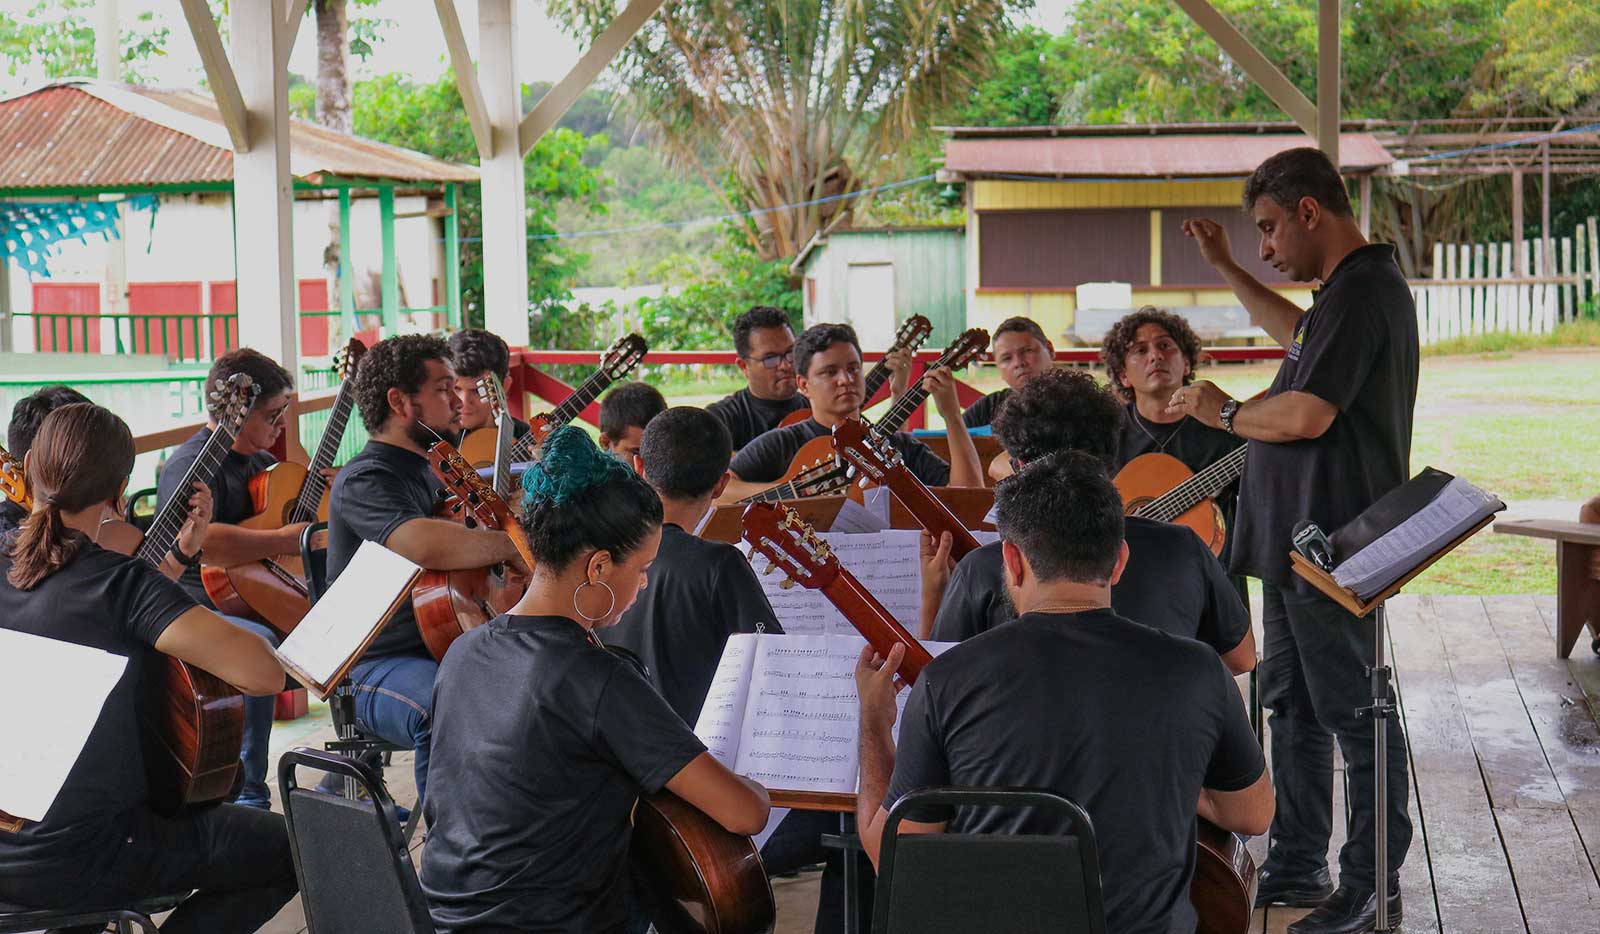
(1381, 708)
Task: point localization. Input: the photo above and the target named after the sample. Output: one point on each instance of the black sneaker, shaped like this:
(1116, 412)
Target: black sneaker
(1306, 890)
(1348, 911)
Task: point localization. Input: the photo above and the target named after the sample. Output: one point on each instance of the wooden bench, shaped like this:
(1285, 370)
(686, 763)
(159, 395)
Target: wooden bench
(1577, 575)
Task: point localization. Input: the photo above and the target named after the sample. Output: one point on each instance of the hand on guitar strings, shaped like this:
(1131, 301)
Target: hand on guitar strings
(193, 533)
(941, 385)
(877, 684)
(936, 564)
(899, 364)
(1201, 401)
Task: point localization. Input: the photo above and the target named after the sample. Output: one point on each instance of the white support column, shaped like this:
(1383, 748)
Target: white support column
(1328, 79)
(262, 185)
(505, 221)
(114, 278)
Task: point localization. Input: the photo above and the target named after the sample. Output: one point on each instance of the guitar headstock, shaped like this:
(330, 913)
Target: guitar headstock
(13, 480)
(913, 333)
(462, 481)
(348, 358)
(492, 393)
(235, 396)
(791, 544)
(873, 457)
(621, 357)
(964, 350)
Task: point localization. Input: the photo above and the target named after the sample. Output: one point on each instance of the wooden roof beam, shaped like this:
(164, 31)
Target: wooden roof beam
(224, 85)
(1265, 74)
(607, 46)
(466, 77)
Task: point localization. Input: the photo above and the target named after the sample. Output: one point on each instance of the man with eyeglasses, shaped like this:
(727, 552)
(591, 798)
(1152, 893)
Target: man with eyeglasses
(226, 543)
(828, 359)
(765, 343)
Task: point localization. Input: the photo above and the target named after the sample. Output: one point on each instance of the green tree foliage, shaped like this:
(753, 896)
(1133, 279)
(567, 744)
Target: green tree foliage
(710, 290)
(1551, 54)
(430, 118)
(60, 36)
(796, 99)
(641, 190)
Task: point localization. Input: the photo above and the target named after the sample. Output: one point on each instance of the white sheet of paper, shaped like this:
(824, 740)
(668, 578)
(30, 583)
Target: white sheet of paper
(335, 628)
(1457, 507)
(856, 519)
(53, 733)
(886, 563)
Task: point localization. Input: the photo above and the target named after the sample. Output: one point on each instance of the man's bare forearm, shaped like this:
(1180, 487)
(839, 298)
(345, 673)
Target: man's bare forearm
(877, 765)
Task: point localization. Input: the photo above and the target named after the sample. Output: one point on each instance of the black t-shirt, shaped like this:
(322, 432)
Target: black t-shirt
(121, 605)
(1191, 441)
(1172, 582)
(983, 411)
(766, 458)
(700, 592)
(11, 516)
(230, 493)
(748, 416)
(1356, 348)
(542, 743)
(381, 489)
(1046, 703)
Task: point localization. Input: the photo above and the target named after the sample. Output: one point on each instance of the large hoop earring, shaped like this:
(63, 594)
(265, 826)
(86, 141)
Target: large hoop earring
(609, 592)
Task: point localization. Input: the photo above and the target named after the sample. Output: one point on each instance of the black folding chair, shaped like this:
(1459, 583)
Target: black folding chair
(141, 509)
(995, 883)
(15, 918)
(350, 856)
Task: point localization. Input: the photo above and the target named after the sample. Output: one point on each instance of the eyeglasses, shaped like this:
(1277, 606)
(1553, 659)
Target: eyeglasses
(276, 418)
(774, 360)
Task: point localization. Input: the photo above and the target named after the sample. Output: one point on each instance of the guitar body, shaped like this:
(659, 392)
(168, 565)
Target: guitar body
(1147, 477)
(273, 493)
(478, 447)
(272, 592)
(191, 726)
(1223, 890)
(448, 603)
(698, 877)
(817, 451)
(794, 418)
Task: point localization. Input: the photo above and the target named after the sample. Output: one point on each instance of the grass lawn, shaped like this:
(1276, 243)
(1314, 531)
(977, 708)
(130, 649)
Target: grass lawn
(1524, 425)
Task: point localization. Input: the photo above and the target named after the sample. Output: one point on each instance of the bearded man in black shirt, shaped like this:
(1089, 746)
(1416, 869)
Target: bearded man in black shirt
(764, 341)
(1172, 582)
(387, 494)
(1044, 702)
(1332, 436)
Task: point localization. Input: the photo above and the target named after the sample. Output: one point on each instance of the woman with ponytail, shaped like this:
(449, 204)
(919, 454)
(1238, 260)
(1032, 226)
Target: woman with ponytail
(544, 739)
(100, 842)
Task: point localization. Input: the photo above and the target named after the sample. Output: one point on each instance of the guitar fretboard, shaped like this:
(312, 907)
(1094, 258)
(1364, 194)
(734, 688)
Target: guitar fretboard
(1202, 486)
(586, 393)
(895, 418)
(305, 508)
(169, 521)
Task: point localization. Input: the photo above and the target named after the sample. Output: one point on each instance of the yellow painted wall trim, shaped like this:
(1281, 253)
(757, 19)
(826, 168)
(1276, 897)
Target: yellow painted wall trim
(991, 195)
(1155, 248)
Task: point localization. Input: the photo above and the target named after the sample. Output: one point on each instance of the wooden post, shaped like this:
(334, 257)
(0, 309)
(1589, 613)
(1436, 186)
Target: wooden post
(391, 273)
(1366, 206)
(1328, 95)
(452, 256)
(347, 268)
(263, 244)
(1517, 234)
(1546, 242)
(1594, 260)
(505, 223)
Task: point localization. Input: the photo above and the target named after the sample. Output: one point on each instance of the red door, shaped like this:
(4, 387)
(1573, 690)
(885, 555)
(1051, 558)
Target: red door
(76, 305)
(313, 328)
(224, 320)
(169, 334)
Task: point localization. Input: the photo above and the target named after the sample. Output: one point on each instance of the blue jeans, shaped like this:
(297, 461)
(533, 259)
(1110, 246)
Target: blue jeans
(257, 732)
(394, 701)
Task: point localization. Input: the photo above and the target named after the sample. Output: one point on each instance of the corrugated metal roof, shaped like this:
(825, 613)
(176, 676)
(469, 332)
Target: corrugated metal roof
(1140, 155)
(94, 134)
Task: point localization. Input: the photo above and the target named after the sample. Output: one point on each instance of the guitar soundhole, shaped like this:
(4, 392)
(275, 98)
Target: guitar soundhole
(1132, 507)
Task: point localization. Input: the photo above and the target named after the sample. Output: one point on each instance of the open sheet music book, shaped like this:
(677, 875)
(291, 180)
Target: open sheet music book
(321, 650)
(782, 710)
(1451, 507)
(43, 740)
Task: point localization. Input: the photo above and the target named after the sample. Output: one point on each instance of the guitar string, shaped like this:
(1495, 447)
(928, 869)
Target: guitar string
(1182, 497)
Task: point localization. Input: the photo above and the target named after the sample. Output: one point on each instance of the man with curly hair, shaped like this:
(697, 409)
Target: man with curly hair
(1149, 355)
(474, 354)
(405, 391)
(1021, 351)
(1172, 581)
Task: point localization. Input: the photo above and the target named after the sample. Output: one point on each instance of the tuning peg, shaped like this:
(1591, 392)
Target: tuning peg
(786, 583)
(823, 551)
(771, 566)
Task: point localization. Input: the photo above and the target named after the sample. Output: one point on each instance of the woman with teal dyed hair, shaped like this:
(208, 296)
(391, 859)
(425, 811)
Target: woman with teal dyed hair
(544, 739)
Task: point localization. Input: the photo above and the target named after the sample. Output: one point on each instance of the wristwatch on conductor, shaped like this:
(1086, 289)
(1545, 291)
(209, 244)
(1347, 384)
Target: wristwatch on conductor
(1229, 410)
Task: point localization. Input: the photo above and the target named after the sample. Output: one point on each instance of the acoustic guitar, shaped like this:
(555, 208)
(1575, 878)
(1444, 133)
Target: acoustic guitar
(191, 722)
(448, 603)
(14, 481)
(882, 465)
(1223, 888)
(696, 876)
(273, 590)
(815, 465)
(910, 336)
(478, 447)
(1159, 486)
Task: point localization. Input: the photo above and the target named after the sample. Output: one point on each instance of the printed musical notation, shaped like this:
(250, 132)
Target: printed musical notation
(885, 562)
(783, 710)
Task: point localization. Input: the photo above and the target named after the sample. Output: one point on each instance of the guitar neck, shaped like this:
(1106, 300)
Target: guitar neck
(587, 391)
(305, 507)
(876, 377)
(504, 443)
(876, 624)
(169, 521)
(1202, 486)
(930, 512)
(792, 489)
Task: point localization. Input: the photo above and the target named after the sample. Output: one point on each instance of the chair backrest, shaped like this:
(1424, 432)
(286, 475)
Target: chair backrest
(141, 509)
(314, 557)
(350, 857)
(996, 883)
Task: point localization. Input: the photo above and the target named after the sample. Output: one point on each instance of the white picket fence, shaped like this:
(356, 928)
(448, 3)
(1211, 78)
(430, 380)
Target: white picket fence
(1475, 288)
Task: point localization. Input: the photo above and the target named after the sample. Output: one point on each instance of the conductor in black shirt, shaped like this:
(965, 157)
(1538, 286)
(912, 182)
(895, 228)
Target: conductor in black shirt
(1045, 702)
(764, 341)
(1332, 436)
(387, 494)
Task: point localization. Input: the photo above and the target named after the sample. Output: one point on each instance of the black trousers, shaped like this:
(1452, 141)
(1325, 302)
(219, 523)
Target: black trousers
(236, 858)
(1313, 679)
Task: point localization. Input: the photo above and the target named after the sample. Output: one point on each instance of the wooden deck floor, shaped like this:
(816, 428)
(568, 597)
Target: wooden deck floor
(1505, 764)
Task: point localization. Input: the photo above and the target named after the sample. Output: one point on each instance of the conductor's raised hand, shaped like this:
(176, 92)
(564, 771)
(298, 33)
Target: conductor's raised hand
(1212, 240)
(876, 686)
